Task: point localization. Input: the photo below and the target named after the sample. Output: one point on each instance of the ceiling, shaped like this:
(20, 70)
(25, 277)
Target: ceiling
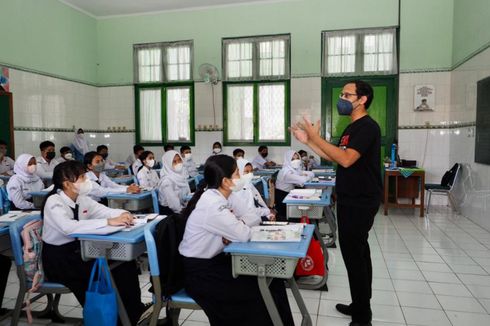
(104, 8)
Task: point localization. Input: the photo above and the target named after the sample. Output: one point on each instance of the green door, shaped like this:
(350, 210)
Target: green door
(6, 122)
(383, 109)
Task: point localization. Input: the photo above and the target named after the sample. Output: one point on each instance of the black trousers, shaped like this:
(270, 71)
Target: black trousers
(5, 263)
(63, 264)
(279, 205)
(165, 210)
(232, 301)
(354, 224)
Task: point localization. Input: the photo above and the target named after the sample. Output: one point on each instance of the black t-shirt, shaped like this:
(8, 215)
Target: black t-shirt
(360, 184)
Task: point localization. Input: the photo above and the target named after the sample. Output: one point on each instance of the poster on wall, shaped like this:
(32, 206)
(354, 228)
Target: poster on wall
(424, 98)
(4, 78)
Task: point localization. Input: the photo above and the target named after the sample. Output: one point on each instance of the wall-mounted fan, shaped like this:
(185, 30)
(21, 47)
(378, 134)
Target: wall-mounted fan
(210, 75)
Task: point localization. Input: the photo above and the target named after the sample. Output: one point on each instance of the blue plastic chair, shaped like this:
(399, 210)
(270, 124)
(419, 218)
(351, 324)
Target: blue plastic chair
(47, 288)
(198, 178)
(154, 199)
(178, 301)
(4, 201)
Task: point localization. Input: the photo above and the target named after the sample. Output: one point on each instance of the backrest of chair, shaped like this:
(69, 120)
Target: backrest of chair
(15, 229)
(452, 181)
(4, 200)
(265, 186)
(135, 180)
(151, 248)
(198, 179)
(154, 198)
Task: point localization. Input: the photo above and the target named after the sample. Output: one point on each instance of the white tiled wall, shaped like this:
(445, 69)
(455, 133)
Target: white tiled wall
(474, 186)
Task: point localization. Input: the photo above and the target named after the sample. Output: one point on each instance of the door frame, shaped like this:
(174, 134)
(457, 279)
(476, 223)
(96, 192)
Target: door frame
(10, 141)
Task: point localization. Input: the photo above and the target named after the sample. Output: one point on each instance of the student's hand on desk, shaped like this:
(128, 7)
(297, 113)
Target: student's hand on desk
(225, 241)
(272, 215)
(133, 189)
(125, 219)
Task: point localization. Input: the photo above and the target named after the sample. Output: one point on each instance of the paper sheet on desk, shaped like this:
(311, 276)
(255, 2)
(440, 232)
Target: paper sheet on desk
(277, 233)
(108, 229)
(15, 215)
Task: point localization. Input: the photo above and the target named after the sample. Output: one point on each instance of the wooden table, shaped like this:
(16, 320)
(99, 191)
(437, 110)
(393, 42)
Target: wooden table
(411, 187)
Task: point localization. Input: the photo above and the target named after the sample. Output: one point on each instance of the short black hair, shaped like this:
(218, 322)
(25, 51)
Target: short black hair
(238, 151)
(168, 147)
(217, 143)
(65, 149)
(3, 142)
(262, 147)
(45, 144)
(184, 148)
(302, 152)
(363, 89)
(101, 147)
(137, 148)
(88, 157)
(144, 155)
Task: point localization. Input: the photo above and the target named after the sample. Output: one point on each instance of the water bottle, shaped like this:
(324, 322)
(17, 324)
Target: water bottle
(393, 156)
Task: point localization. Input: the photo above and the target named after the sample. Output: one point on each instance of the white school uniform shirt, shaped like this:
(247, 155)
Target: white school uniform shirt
(136, 165)
(190, 167)
(289, 177)
(148, 178)
(7, 165)
(259, 162)
(243, 206)
(18, 190)
(171, 195)
(103, 185)
(110, 164)
(59, 222)
(44, 169)
(130, 160)
(210, 222)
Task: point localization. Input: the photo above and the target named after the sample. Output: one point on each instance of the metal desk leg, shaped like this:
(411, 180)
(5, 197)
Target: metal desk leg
(299, 301)
(331, 221)
(269, 301)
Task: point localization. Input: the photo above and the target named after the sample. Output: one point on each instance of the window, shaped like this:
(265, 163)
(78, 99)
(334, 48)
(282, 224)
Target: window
(359, 52)
(164, 93)
(256, 74)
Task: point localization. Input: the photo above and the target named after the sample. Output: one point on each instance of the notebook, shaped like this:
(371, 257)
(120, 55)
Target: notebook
(277, 233)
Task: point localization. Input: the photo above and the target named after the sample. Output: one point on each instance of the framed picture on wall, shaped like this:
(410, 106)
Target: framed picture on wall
(424, 98)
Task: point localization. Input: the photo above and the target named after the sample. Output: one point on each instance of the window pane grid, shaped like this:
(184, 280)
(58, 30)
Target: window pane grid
(240, 122)
(178, 114)
(271, 112)
(150, 115)
(239, 60)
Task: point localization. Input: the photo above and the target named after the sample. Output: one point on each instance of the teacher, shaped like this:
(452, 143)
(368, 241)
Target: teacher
(358, 187)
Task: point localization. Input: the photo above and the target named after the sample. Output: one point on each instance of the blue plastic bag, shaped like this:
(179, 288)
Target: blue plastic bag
(100, 299)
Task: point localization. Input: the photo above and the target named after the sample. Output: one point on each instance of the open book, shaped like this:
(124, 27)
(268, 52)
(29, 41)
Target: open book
(279, 233)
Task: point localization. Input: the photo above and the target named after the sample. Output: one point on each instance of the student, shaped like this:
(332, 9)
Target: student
(189, 165)
(307, 163)
(249, 199)
(238, 153)
(80, 144)
(66, 154)
(260, 161)
(173, 186)
(147, 177)
(103, 151)
(217, 148)
(168, 147)
(101, 183)
(6, 163)
(208, 279)
(137, 150)
(288, 178)
(24, 181)
(46, 162)
(67, 210)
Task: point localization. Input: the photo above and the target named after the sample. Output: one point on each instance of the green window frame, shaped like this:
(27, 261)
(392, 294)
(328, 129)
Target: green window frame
(164, 87)
(258, 61)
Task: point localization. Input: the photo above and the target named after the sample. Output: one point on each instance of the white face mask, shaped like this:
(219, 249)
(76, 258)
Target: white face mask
(69, 156)
(150, 163)
(239, 184)
(188, 156)
(178, 167)
(248, 177)
(216, 150)
(32, 169)
(83, 188)
(296, 164)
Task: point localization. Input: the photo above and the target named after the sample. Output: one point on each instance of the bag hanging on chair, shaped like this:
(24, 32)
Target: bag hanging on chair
(313, 263)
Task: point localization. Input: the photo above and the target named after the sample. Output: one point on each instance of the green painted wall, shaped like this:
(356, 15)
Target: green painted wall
(426, 34)
(303, 19)
(471, 27)
(49, 37)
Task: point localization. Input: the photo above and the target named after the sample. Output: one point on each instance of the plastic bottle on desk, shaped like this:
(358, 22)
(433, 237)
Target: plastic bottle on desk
(393, 156)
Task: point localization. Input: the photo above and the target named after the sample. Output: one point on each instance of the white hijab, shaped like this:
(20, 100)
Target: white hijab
(20, 168)
(286, 165)
(168, 172)
(80, 143)
(241, 163)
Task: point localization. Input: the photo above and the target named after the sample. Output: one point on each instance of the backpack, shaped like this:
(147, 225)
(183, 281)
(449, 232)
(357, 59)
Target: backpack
(448, 177)
(33, 268)
(169, 234)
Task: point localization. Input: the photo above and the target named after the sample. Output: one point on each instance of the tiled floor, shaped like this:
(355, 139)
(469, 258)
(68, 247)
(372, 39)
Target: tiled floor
(431, 272)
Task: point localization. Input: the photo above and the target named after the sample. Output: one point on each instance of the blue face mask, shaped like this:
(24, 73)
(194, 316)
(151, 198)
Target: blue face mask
(344, 107)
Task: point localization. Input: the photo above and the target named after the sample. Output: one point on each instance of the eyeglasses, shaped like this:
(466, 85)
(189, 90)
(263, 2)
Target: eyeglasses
(347, 95)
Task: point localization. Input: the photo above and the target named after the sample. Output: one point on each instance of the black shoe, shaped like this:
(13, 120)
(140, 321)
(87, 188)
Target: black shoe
(360, 324)
(344, 309)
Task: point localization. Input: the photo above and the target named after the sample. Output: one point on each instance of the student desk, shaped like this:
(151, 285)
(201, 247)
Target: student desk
(266, 172)
(320, 184)
(130, 202)
(268, 260)
(405, 187)
(323, 172)
(123, 179)
(118, 246)
(38, 198)
(313, 208)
